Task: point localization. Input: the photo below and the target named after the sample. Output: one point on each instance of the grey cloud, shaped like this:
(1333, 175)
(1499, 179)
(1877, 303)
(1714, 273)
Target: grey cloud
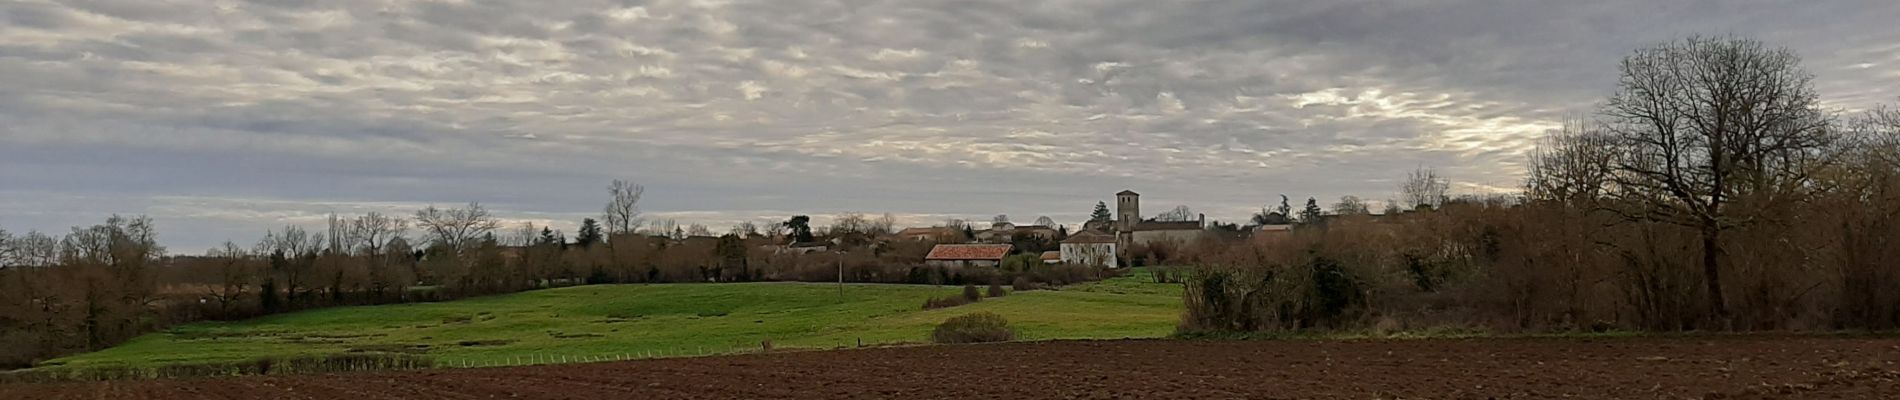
(753, 109)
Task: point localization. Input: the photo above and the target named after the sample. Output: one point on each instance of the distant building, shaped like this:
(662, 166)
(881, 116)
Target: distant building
(941, 234)
(1045, 232)
(1004, 232)
(1092, 248)
(967, 255)
(1052, 257)
(1130, 229)
(801, 248)
(1174, 231)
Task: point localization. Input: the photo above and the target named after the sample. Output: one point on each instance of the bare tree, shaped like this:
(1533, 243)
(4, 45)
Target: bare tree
(1877, 137)
(523, 235)
(292, 240)
(8, 253)
(339, 236)
(661, 227)
(885, 224)
(35, 249)
(293, 251)
(1713, 131)
(374, 231)
(1423, 188)
(1045, 221)
(1351, 205)
(380, 238)
(456, 228)
(698, 230)
(234, 276)
(121, 243)
(745, 229)
(1572, 165)
(850, 222)
(1179, 213)
(623, 212)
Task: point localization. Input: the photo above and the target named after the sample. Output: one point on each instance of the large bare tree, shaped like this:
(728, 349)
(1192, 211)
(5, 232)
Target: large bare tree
(1423, 188)
(1351, 205)
(623, 211)
(1714, 131)
(32, 249)
(235, 277)
(1572, 165)
(456, 228)
(374, 231)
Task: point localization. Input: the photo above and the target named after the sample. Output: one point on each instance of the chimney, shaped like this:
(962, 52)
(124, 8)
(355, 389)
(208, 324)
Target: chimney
(1203, 220)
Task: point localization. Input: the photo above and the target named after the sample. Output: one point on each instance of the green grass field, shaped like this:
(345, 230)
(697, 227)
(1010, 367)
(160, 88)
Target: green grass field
(613, 321)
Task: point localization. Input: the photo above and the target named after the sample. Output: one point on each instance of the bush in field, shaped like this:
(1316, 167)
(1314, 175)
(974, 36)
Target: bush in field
(983, 327)
(970, 293)
(1022, 262)
(1025, 283)
(1278, 284)
(997, 290)
(945, 302)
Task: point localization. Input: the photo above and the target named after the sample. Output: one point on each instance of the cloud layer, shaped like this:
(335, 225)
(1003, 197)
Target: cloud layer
(222, 118)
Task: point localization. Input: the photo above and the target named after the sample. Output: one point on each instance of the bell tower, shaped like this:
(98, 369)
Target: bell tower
(1127, 210)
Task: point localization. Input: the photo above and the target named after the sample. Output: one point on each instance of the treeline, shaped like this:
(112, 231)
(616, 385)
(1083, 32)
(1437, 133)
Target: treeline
(1711, 192)
(101, 285)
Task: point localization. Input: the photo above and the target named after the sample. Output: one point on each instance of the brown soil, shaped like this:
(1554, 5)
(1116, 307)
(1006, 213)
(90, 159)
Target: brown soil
(1745, 367)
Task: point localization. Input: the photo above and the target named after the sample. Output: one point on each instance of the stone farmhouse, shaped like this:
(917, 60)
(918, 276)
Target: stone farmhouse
(967, 255)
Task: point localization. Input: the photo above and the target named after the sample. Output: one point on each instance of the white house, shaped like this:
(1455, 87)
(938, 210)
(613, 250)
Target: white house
(1090, 248)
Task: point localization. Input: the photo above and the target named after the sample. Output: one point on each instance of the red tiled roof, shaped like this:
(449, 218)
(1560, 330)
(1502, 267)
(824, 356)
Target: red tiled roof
(969, 252)
(1051, 255)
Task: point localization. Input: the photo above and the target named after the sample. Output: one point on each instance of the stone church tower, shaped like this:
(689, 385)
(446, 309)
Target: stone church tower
(1127, 210)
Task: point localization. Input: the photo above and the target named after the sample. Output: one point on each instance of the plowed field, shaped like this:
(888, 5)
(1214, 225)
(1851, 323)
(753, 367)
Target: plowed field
(1619, 368)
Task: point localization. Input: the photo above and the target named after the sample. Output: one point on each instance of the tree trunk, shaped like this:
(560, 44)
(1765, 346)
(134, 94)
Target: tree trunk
(1711, 269)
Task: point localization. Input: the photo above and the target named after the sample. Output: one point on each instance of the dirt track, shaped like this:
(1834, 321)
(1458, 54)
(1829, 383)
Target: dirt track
(1645, 368)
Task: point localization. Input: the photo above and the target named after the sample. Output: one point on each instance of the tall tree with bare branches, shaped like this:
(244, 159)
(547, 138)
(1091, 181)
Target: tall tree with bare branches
(1424, 188)
(374, 231)
(1572, 165)
(235, 276)
(623, 211)
(456, 228)
(1714, 131)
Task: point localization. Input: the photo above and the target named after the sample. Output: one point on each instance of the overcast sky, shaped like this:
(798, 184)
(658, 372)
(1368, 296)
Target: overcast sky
(221, 119)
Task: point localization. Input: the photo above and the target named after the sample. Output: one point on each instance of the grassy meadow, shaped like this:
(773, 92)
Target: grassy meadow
(612, 321)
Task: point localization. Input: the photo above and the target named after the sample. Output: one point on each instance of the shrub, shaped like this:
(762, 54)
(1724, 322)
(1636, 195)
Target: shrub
(945, 302)
(997, 290)
(982, 327)
(970, 293)
(1024, 283)
(1022, 262)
